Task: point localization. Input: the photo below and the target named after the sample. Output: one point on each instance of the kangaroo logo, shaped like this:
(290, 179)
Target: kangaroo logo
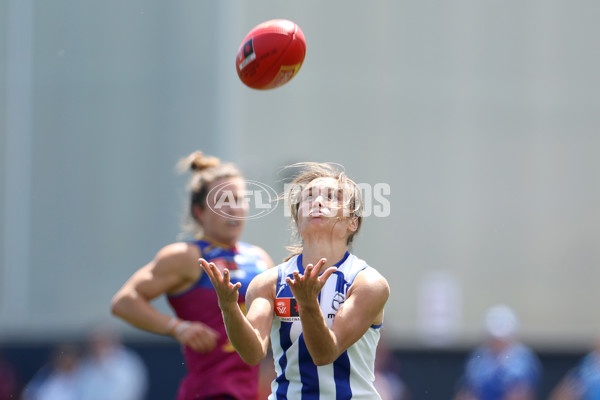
(338, 300)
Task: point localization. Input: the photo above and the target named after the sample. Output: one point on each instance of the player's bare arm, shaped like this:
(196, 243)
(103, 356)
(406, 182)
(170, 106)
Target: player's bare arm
(172, 270)
(249, 334)
(363, 307)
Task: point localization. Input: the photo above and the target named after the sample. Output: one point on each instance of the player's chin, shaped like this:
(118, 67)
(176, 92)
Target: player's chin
(233, 231)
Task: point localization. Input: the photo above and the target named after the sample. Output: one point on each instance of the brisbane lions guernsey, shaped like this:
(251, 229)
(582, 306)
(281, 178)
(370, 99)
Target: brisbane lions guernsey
(221, 371)
(351, 376)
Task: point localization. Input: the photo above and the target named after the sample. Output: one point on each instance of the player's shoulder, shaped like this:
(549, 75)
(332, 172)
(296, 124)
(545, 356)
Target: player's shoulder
(372, 278)
(178, 254)
(355, 265)
(374, 274)
(175, 262)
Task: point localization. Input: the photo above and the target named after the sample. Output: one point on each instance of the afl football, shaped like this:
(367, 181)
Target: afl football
(271, 54)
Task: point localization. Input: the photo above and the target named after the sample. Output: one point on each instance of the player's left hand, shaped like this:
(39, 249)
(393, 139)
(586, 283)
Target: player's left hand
(308, 286)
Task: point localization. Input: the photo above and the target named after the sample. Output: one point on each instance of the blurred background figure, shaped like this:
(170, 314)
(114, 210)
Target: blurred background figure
(109, 370)
(9, 380)
(502, 368)
(583, 381)
(59, 379)
(213, 367)
(388, 381)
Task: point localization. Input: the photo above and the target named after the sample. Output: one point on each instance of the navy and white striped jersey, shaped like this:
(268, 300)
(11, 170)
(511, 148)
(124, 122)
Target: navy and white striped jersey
(298, 378)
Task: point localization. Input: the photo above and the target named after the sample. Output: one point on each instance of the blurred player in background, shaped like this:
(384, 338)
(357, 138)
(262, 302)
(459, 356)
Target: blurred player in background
(583, 381)
(59, 379)
(502, 368)
(323, 307)
(214, 369)
(109, 370)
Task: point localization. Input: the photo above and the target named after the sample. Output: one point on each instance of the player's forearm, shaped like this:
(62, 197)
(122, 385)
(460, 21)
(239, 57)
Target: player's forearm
(140, 314)
(243, 336)
(320, 340)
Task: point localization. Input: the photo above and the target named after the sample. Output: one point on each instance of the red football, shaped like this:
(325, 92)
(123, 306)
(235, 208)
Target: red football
(271, 54)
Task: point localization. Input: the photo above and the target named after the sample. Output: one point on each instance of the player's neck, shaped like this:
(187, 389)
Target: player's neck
(312, 252)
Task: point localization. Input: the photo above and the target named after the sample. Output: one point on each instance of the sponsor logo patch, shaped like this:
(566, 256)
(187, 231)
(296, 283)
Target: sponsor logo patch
(287, 309)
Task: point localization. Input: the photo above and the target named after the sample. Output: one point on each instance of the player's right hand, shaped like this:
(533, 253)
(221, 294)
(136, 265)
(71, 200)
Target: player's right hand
(198, 336)
(227, 292)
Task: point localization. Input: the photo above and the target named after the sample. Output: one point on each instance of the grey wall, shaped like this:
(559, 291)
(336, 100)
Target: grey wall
(482, 118)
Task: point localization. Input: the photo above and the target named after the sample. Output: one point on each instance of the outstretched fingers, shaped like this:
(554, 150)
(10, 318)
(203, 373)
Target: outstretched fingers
(226, 280)
(325, 275)
(312, 271)
(310, 283)
(210, 269)
(213, 272)
(221, 282)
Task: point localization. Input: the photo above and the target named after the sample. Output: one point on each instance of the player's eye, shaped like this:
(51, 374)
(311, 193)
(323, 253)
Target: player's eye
(308, 194)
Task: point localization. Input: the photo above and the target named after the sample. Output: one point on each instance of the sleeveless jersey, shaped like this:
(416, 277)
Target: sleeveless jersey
(221, 371)
(351, 375)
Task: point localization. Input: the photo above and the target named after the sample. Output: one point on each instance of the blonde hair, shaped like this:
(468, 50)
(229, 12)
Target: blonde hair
(205, 170)
(309, 171)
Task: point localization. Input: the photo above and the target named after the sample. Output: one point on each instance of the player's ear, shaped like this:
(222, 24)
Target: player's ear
(353, 224)
(198, 214)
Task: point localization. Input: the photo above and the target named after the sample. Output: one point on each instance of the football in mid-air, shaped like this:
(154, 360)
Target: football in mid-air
(271, 54)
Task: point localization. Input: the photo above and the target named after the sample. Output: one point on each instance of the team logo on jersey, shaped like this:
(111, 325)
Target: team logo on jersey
(287, 309)
(338, 300)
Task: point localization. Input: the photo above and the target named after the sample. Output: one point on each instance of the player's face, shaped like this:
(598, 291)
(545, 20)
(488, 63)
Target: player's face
(324, 206)
(223, 215)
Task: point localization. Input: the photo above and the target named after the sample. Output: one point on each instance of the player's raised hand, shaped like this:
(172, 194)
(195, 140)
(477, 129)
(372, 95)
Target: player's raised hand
(227, 292)
(308, 286)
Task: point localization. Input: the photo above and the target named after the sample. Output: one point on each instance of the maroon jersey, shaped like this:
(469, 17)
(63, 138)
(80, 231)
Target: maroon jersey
(220, 372)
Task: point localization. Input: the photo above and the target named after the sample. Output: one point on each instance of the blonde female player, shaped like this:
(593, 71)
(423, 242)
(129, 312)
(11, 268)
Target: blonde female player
(214, 369)
(322, 309)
